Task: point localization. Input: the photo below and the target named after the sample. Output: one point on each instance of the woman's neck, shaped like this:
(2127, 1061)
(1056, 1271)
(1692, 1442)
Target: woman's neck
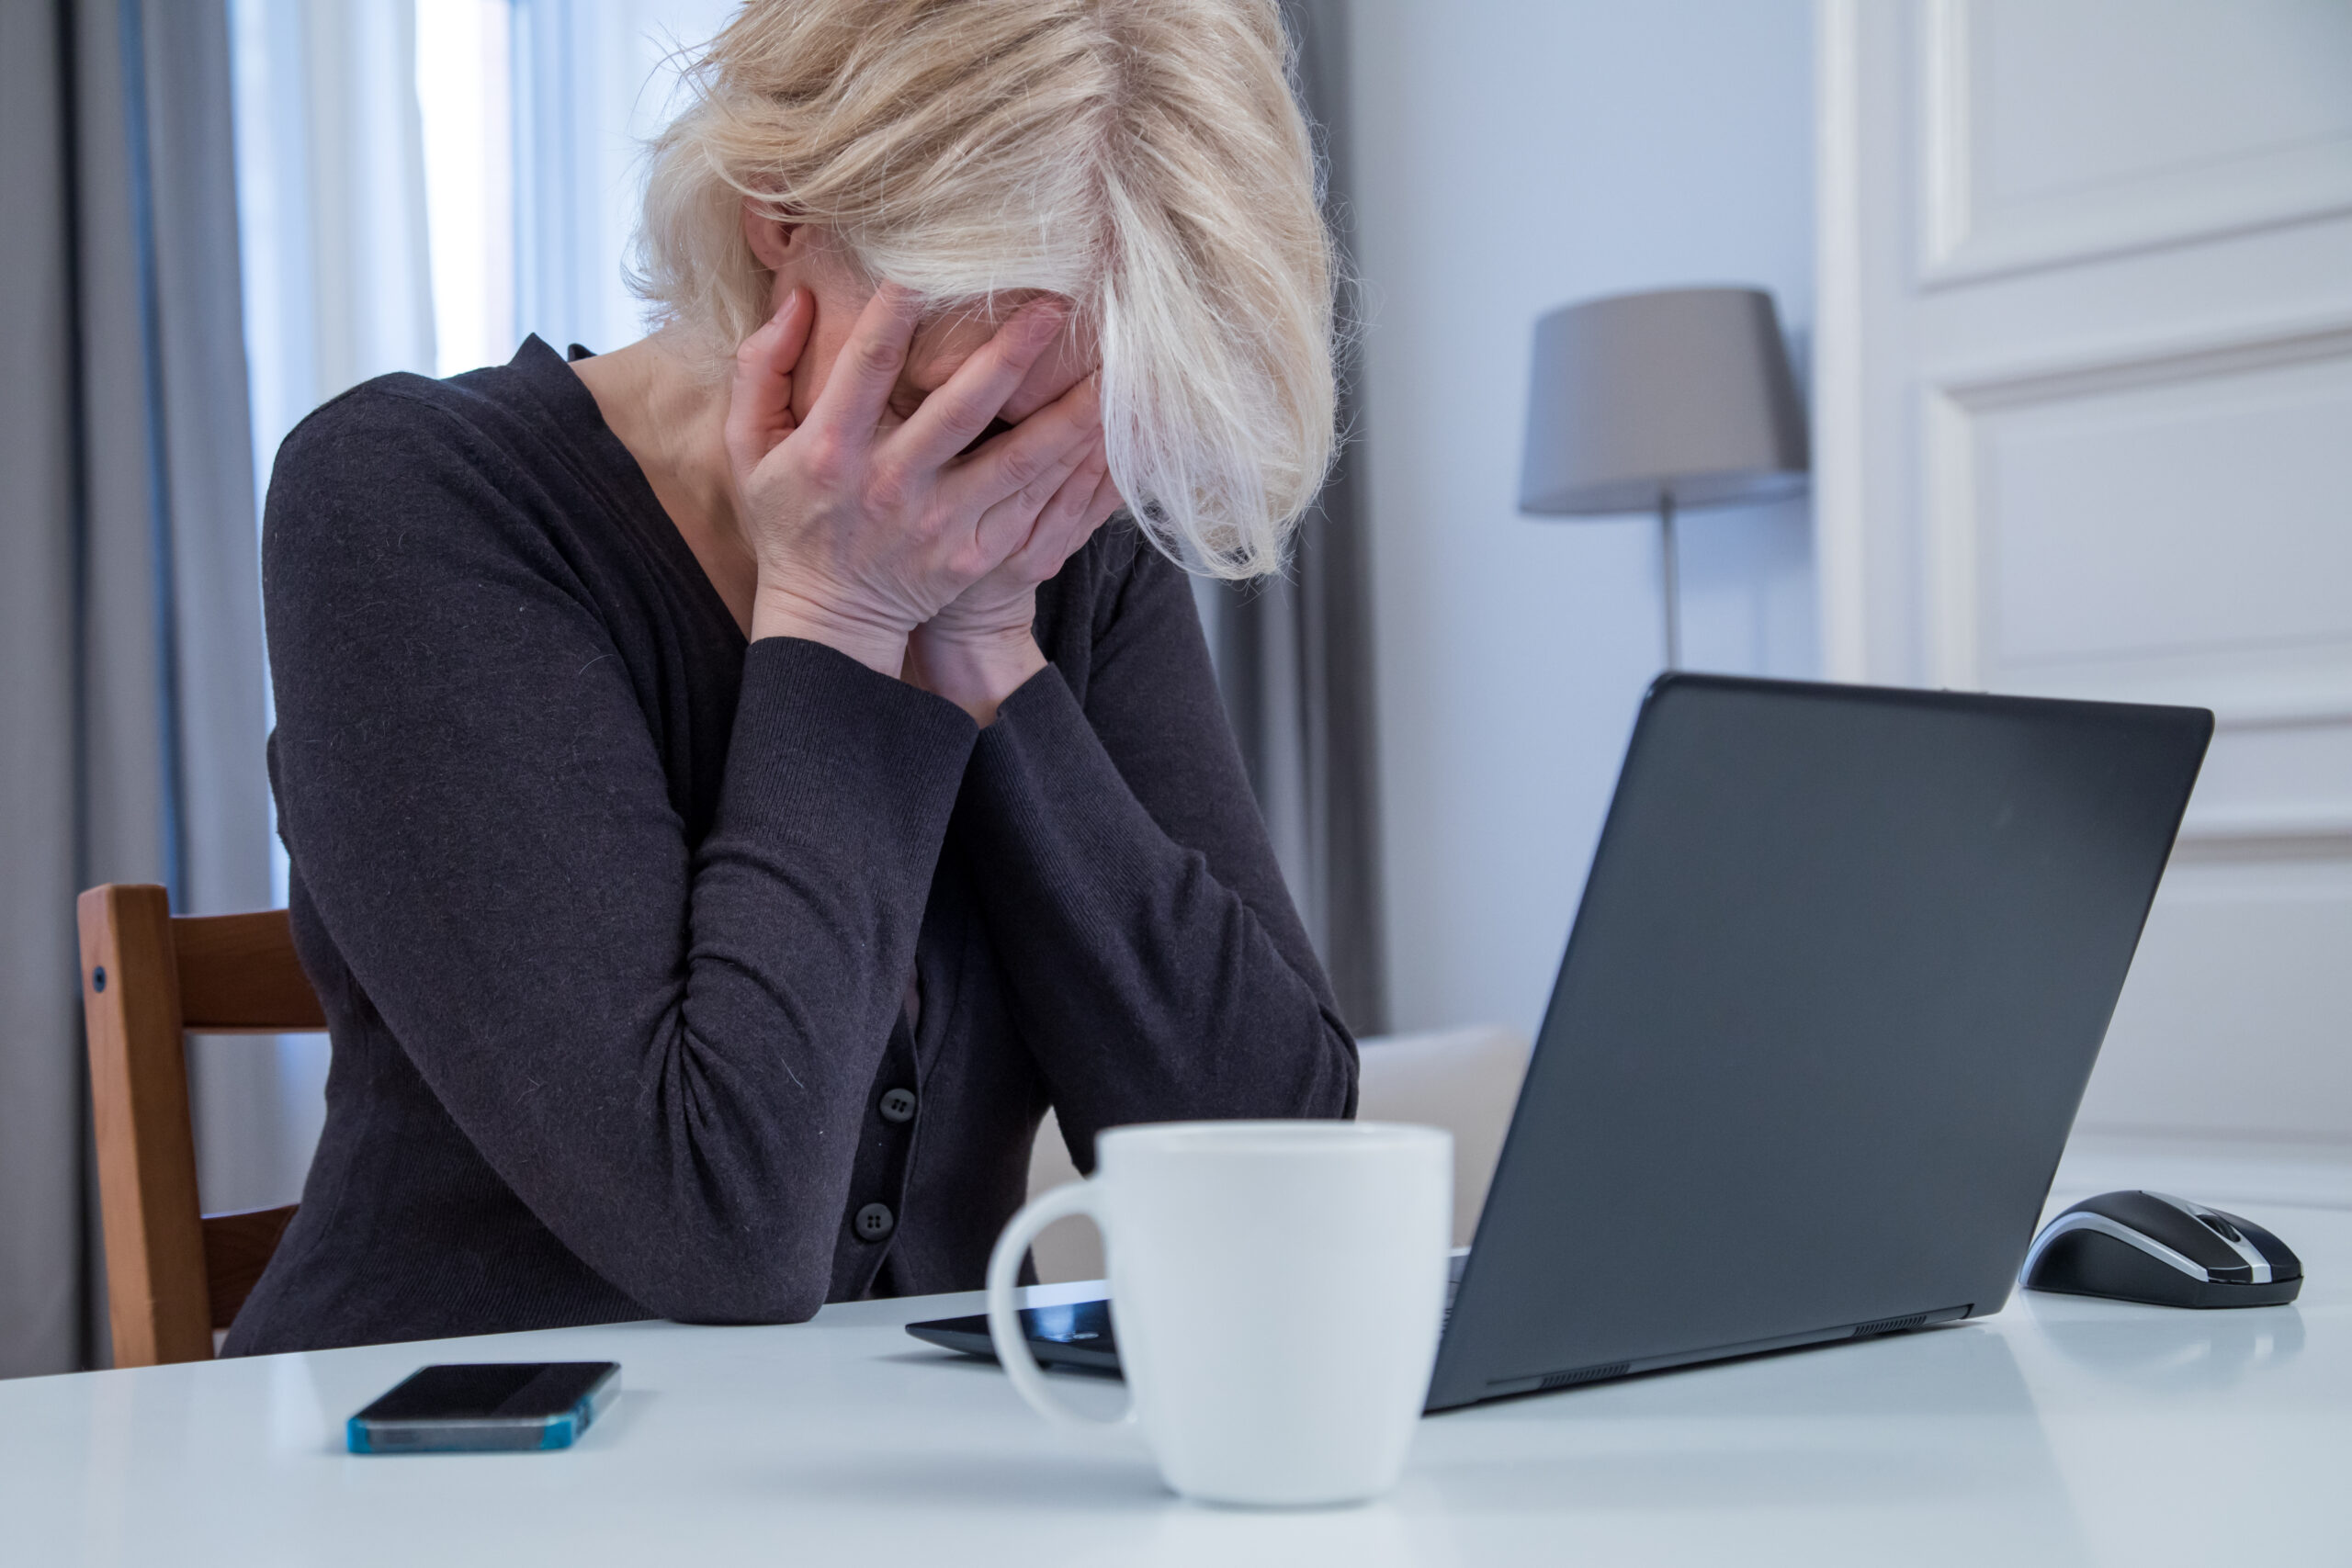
(673, 421)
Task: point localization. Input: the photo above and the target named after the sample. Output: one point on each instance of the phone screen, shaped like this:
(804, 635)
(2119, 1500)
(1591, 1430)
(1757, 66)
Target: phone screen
(524, 1390)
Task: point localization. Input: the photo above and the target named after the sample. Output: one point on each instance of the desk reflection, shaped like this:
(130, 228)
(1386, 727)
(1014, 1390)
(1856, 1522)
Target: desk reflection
(1812, 1444)
(2181, 1349)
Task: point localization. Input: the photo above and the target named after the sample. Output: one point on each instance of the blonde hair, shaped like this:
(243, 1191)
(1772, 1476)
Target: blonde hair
(1145, 158)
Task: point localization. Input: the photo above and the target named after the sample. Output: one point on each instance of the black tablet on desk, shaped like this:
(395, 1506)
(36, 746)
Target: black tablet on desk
(1075, 1335)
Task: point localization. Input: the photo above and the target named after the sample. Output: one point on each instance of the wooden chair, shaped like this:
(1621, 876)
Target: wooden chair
(173, 1274)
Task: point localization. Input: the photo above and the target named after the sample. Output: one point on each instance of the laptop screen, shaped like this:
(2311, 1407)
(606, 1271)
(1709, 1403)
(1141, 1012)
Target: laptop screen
(1844, 960)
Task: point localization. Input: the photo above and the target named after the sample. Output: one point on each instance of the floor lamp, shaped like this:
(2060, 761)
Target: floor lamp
(1675, 399)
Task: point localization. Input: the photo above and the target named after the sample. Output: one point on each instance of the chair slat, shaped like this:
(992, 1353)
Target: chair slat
(238, 976)
(237, 1248)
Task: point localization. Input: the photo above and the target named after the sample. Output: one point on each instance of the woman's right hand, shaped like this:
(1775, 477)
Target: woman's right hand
(864, 526)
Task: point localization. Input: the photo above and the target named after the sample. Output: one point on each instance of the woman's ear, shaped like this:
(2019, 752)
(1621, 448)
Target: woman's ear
(769, 236)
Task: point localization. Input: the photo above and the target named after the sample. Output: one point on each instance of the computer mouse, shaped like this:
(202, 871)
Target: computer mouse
(2147, 1247)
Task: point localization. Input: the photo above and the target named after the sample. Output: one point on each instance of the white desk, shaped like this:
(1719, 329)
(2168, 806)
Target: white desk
(2060, 1431)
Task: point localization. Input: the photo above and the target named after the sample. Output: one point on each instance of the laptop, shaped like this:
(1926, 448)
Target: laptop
(1843, 963)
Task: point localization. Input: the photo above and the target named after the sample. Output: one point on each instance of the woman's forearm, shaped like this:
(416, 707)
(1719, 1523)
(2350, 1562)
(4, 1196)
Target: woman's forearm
(1148, 987)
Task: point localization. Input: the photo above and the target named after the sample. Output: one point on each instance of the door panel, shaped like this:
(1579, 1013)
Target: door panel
(2084, 389)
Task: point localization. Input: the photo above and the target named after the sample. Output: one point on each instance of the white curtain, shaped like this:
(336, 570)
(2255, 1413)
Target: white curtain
(331, 198)
(592, 80)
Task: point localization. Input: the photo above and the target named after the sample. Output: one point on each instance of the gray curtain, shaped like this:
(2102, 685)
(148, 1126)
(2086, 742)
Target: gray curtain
(132, 709)
(1295, 654)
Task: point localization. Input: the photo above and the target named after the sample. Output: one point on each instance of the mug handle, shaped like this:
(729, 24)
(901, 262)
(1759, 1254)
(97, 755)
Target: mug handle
(1004, 1319)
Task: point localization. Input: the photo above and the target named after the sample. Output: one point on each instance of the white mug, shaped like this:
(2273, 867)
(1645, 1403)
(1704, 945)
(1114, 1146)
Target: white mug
(1276, 1292)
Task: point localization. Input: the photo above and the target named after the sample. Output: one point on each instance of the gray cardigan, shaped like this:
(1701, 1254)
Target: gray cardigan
(612, 916)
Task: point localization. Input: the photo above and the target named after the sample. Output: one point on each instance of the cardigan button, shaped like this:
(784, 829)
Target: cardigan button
(898, 1105)
(873, 1221)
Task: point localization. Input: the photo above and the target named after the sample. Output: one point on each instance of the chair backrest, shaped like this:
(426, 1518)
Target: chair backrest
(173, 1274)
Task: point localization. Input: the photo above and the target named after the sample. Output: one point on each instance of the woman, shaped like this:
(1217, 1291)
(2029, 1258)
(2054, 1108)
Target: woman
(732, 791)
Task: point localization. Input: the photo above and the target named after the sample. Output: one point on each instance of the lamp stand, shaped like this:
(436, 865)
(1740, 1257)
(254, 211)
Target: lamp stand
(1667, 554)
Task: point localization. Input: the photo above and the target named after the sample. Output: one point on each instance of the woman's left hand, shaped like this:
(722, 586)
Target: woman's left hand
(979, 650)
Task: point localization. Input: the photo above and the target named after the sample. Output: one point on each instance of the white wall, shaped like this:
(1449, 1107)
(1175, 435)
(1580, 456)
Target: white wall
(1513, 155)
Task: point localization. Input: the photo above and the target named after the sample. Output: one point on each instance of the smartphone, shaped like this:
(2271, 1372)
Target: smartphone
(456, 1409)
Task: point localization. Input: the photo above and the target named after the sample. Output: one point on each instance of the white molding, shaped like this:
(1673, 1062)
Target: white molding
(1953, 569)
(1954, 542)
(1839, 535)
(1947, 209)
(2243, 701)
(2192, 204)
(2084, 372)
(2256, 827)
(2314, 714)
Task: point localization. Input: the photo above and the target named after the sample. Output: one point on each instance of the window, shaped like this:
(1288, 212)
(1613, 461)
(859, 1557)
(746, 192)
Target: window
(422, 182)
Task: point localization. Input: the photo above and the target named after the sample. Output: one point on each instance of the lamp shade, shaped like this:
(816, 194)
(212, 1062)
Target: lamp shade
(1682, 394)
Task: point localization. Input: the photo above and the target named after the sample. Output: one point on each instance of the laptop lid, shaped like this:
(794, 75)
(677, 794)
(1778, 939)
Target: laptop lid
(1844, 960)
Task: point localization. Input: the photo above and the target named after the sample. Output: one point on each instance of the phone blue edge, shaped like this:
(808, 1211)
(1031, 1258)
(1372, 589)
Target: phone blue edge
(498, 1435)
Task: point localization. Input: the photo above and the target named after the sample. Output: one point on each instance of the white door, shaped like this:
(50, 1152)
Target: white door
(2084, 379)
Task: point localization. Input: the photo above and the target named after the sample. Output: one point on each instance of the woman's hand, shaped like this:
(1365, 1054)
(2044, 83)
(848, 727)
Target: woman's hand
(866, 527)
(979, 649)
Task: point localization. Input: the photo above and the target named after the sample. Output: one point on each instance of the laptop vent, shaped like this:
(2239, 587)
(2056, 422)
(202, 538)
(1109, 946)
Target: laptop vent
(1583, 1374)
(1890, 1325)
